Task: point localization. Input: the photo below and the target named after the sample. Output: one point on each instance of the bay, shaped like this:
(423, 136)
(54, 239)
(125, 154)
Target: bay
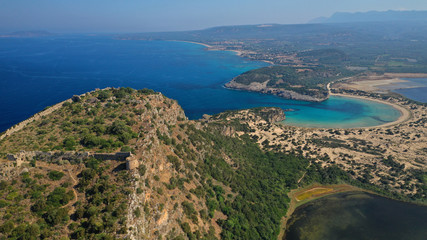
(39, 72)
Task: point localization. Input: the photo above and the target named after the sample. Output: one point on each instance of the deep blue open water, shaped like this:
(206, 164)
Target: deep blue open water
(39, 72)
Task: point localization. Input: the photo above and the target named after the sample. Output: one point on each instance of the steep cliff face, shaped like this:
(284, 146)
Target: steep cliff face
(180, 181)
(162, 200)
(183, 180)
(206, 179)
(160, 177)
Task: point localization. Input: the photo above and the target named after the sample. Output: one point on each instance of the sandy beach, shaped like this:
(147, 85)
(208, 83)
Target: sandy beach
(212, 48)
(405, 114)
(203, 44)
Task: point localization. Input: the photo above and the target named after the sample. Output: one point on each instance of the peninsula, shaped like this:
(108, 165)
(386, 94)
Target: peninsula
(122, 162)
(297, 83)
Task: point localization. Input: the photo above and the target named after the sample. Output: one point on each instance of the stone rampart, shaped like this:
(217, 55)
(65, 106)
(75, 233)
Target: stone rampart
(24, 157)
(38, 116)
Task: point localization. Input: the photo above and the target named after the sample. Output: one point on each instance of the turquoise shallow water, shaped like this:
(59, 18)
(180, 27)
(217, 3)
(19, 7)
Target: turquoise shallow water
(342, 112)
(39, 72)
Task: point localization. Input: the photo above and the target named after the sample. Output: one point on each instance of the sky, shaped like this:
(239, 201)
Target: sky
(109, 16)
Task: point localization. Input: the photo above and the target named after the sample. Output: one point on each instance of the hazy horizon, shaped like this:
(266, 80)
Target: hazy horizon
(111, 16)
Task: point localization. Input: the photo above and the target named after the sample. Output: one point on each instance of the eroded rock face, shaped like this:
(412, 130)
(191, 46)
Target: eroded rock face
(272, 114)
(76, 98)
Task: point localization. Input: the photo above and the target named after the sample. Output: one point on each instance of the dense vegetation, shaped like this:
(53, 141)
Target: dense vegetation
(261, 180)
(308, 81)
(33, 207)
(209, 178)
(103, 120)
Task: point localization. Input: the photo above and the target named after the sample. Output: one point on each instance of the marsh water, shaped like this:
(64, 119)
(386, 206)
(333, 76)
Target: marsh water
(358, 216)
(415, 89)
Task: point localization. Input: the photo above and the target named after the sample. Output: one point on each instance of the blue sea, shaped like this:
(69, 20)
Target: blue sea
(39, 72)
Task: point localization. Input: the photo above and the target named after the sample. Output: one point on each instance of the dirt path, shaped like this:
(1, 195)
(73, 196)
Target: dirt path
(74, 191)
(302, 177)
(73, 179)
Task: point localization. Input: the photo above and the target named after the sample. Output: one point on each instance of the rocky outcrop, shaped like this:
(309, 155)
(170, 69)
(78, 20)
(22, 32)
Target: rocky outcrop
(262, 88)
(271, 114)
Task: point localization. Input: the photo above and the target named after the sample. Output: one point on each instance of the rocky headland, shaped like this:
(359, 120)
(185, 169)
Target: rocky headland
(63, 174)
(296, 83)
(280, 92)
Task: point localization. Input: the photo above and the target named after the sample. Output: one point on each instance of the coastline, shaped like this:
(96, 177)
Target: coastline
(212, 48)
(405, 113)
(203, 44)
(278, 92)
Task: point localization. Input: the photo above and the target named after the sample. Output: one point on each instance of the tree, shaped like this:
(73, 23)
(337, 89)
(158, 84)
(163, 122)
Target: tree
(55, 175)
(56, 216)
(103, 95)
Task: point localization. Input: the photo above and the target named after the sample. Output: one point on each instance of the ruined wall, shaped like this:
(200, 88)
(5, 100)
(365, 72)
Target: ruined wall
(39, 115)
(120, 156)
(16, 161)
(35, 117)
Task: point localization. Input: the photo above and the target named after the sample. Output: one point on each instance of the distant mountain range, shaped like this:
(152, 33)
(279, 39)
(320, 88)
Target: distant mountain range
(373, 16)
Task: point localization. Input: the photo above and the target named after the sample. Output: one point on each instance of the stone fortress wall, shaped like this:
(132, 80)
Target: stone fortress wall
(15, 161)
(20, 160)
(35, 117)
(41, 114)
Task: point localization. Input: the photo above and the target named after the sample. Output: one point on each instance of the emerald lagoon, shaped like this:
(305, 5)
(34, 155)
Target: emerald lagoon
(342, 112)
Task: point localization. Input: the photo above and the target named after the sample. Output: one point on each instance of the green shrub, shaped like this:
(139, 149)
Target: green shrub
(137, 212)
(126, 149)
(90, 141)
(59, 197)
(3, 203)
(56, 216)
(7, 227)
(55, 175)
(103, 95)
(142, 169)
